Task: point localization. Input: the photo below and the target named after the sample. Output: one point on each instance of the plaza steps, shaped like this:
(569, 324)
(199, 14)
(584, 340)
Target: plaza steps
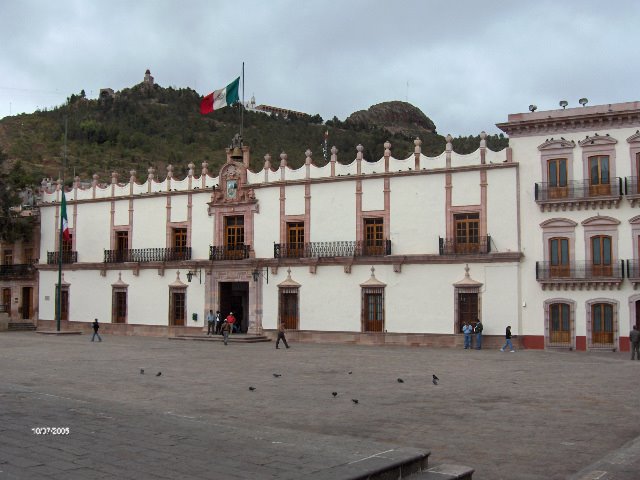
(443, 472)
(21, 327)
(235, 338)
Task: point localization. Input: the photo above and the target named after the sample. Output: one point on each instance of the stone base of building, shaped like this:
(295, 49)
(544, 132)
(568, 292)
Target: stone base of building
(122, 328)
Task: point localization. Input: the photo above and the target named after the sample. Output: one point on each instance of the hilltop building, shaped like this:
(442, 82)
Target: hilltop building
(269, 110)
(542, 236)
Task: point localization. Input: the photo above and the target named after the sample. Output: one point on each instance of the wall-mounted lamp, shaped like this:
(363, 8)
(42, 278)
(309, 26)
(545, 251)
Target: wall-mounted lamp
(197, 273)
(258, 272)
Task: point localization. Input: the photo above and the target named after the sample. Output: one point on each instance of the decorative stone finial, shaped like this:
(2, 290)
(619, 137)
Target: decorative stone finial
(114, 177)
(334, 150)
(387, 148)
(191, 167)
(466, 270)
(483, 135)
(205, 168)
(151, 171)
(170, 171)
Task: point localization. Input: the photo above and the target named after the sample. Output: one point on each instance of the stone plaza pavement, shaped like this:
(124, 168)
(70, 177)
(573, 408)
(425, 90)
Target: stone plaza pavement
(524, 415)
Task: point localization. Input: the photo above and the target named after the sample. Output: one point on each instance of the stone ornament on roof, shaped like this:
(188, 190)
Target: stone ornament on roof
(467, 281)
(373, 281)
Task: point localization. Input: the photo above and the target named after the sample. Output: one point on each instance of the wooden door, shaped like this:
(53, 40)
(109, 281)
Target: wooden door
(602, 324)
(559, 328)
(289, 308)
(559, 257)
(373, 311)
(178, 313)
(119, 307)
(601, 256)
(295, 240)
(467, 309)
(6, 300)
(467, 227)
(374, 236)
(26, 303)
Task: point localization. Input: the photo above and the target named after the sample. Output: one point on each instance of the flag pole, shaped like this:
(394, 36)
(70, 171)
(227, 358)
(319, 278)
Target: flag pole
(242, 105)
(62, 202)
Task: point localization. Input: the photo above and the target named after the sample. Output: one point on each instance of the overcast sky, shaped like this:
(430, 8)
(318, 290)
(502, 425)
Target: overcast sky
(466, 64)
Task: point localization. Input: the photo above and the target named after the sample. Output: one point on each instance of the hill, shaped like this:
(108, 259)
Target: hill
(145, 126)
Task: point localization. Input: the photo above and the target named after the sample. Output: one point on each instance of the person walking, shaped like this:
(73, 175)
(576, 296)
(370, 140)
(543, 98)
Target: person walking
(211, 327)
(478, 329)
(231, 320)
(508, 343)
(225, 329)
(281, 336)
(634, 338)
(467, 329)
(96, 327)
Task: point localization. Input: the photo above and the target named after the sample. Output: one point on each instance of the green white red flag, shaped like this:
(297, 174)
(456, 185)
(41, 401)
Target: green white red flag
(64, 225)
(220, 98)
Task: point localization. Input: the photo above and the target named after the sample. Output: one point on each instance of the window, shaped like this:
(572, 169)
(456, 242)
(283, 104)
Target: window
(557, 177)
(637, 183)
(374, 236)
(373, 309)
(234, 236)
(559, 257)
(122, 245)
(602, 324)
(119, 307)
(467, 232)
(177, 308)
(7, 257)
(67, 245)
(599, 181)
(601, 263)
(560, 325)
(28, 255)
(288, 307)
(295, 239)
(179, 242)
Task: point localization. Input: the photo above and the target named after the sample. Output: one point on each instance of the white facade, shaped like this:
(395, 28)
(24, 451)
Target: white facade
(364, 251)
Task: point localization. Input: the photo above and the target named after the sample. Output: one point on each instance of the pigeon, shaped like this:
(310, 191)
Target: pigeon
(350, 373)
(400, 380)
(435, 382)
(354, 400)
(277, 375)
(158, 374)
(252, 388)
(142, 371)
(335, 394)
(435, 378)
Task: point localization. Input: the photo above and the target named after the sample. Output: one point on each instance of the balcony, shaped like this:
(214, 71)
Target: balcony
(16, 271)
(140, 255)
(229, 252)
(633, 272)
(580, 274)
(578, 194)
(331, 249)
(632, 190)
(449, 246)
(53, 258)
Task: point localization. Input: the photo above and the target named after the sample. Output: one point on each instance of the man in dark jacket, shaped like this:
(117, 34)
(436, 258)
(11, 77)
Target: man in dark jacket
(96, 327)
(634, 338)
(478, 329)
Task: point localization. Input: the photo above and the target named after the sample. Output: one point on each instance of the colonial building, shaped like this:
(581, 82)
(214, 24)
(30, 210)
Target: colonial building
(385, 251)
(543, 236)
(578, 197)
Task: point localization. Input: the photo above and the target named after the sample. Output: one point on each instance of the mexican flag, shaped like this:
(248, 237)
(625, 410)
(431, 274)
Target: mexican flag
(64, 224)
(220, 98)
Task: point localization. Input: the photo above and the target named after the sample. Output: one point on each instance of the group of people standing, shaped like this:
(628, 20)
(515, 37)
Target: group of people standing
(215, 325)
(469, 329)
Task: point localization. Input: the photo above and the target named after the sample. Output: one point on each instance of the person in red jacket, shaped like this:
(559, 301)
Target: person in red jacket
(231, 320)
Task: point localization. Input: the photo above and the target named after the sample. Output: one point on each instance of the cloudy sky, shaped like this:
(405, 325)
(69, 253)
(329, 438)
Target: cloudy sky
(466, 64)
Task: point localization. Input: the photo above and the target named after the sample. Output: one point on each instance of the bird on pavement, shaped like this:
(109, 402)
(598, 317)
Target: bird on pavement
(350, 373)
(435, 378)
(142, 371)
(277, 375)
(400, 380)
(335, 394)
(252, 388)
(354, 400)
(158, 374)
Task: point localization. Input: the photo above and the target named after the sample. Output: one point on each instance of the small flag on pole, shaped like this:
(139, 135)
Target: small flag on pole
(220, 98)
(64, 223)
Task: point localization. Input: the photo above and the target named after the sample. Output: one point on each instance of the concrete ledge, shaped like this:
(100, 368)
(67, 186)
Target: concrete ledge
(445, 472)
(61, 332)
(392, 464)
(621, 464)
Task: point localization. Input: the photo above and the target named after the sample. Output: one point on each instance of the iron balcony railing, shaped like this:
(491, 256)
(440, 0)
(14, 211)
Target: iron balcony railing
(229, 252)
(148, 255)
(633, 268)
(67, 257)
(577, 190)
(631, 186)
(450, 246)
(17, 270)
(579, 270)
(344, 248)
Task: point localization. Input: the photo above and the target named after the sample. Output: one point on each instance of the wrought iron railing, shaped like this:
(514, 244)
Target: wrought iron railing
(631, 186)
(577, 190)
(633, 268)
(67, 257)
(229, 252)
(17, 270)
(148, 255)
(344, 248)
(579, 270)
(450, 246)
